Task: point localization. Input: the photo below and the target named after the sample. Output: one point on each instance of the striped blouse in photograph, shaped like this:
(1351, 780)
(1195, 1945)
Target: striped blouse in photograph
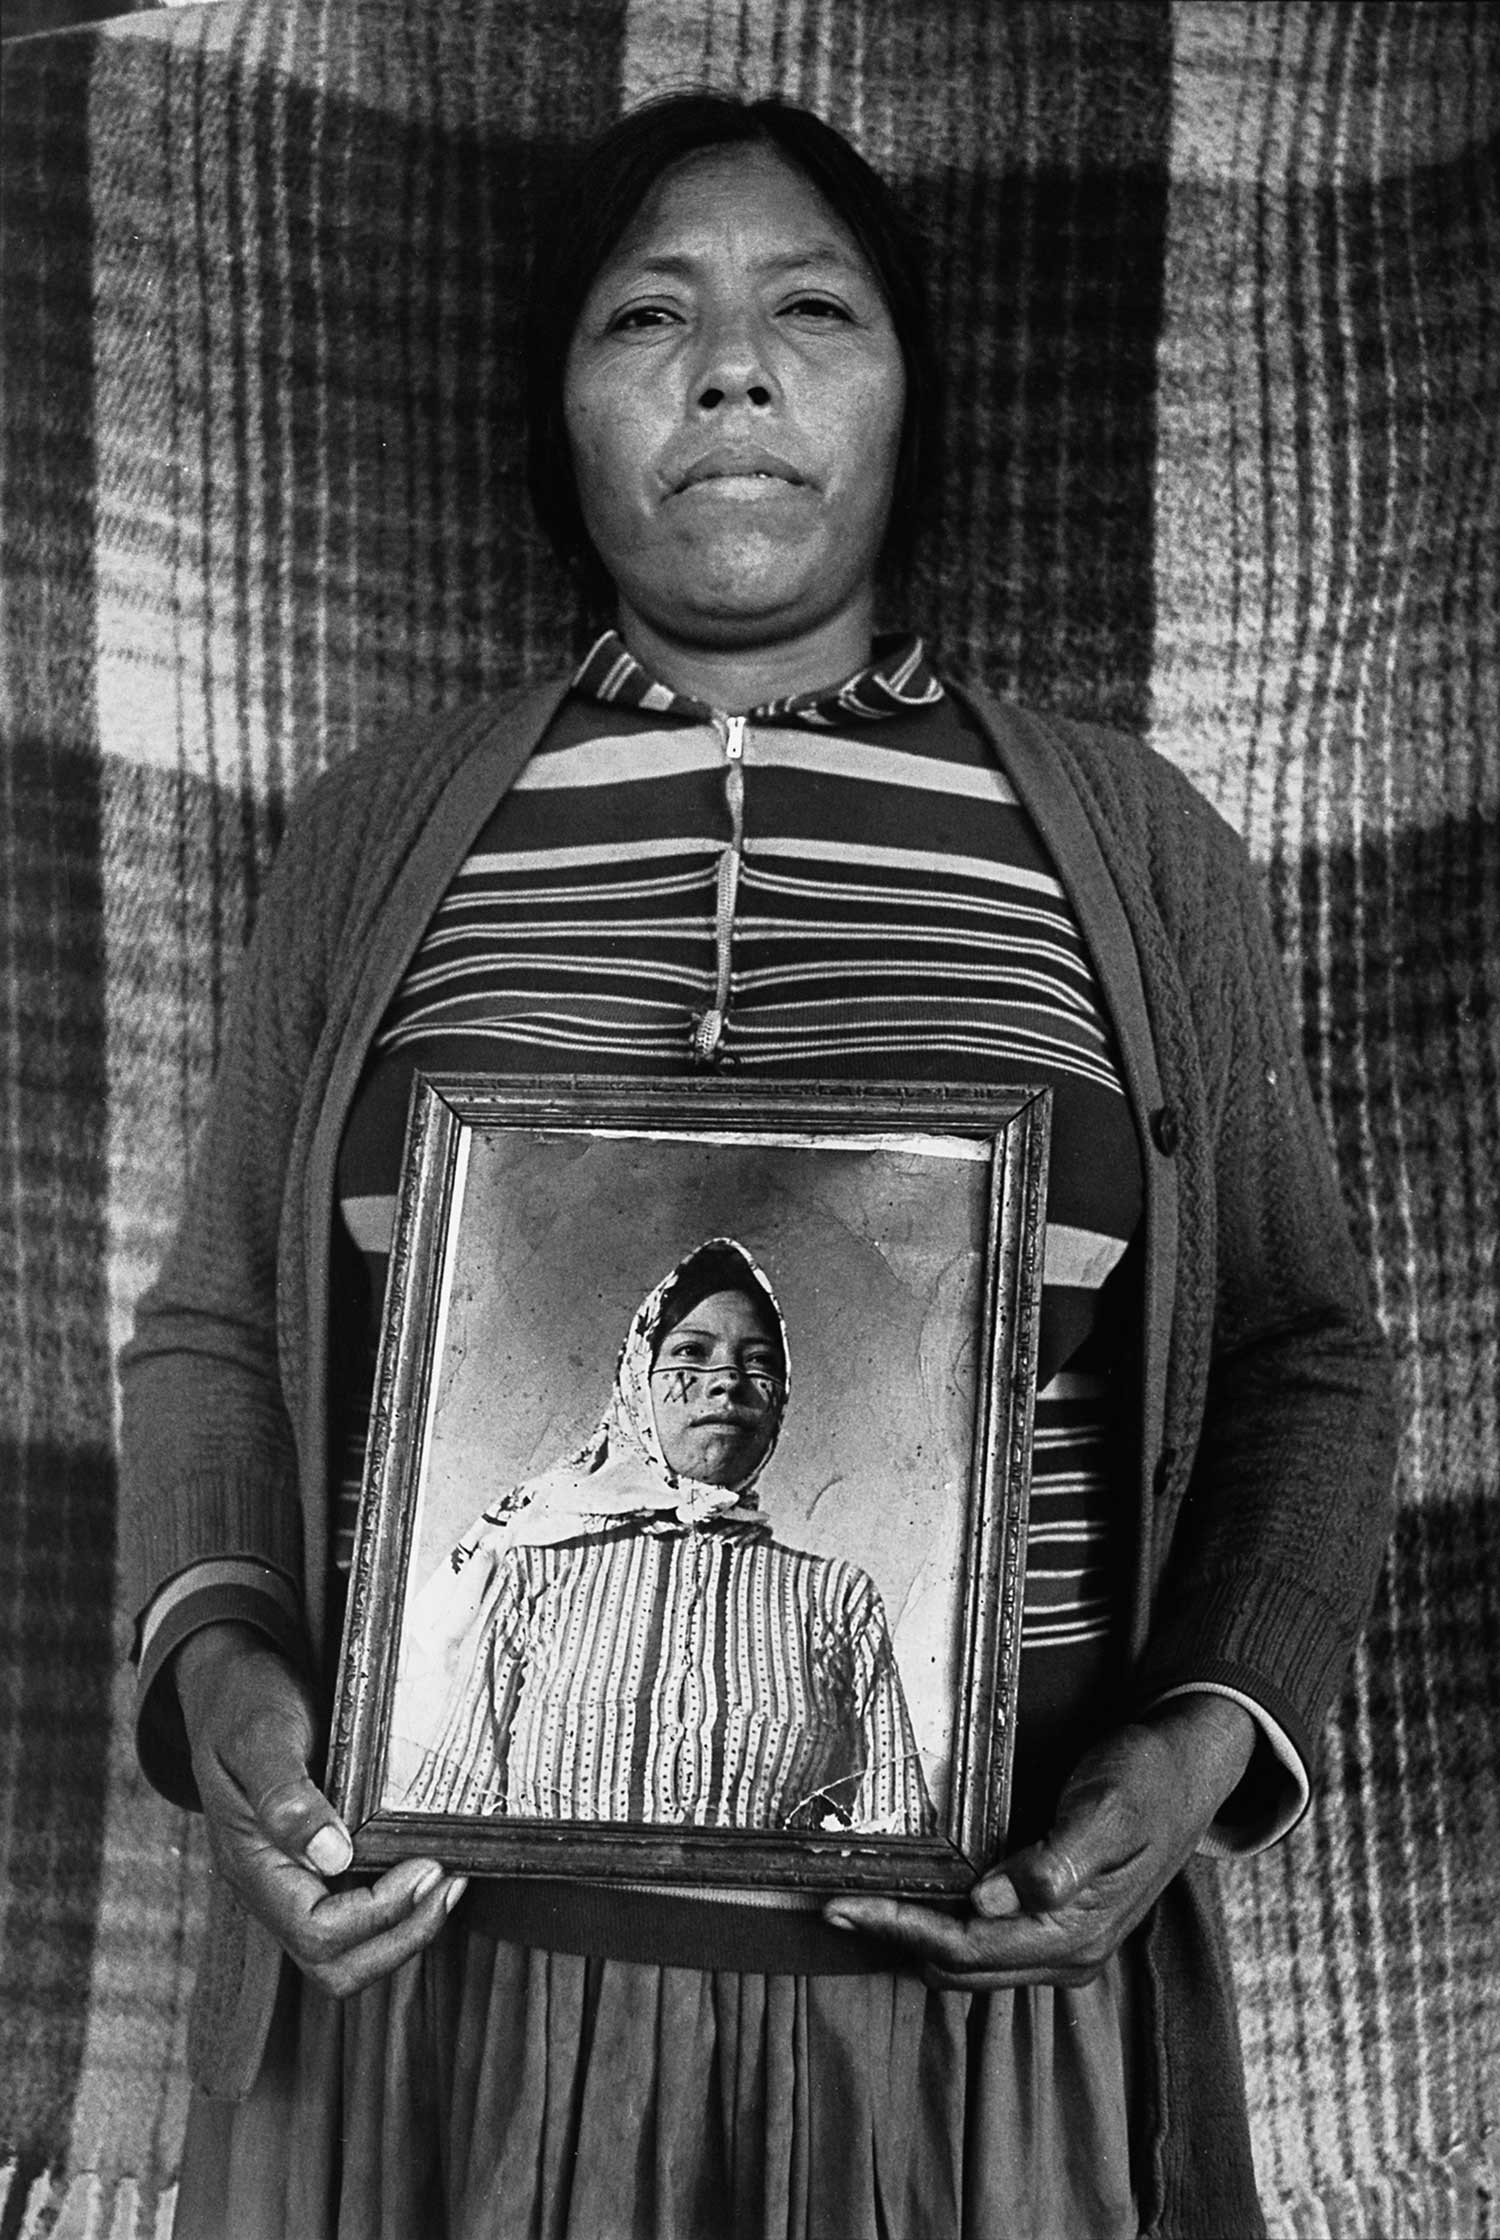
(675, 1674)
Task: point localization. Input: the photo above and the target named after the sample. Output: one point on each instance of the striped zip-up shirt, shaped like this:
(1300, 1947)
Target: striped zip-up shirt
(677, 1675)
(843, 888)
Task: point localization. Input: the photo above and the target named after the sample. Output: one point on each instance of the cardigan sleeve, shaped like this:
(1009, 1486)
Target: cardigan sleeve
(211, 1524)
(213, 1382)
(1278, 1531)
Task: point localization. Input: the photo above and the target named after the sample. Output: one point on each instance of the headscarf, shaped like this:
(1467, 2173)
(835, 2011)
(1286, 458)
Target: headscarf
(618, 1476)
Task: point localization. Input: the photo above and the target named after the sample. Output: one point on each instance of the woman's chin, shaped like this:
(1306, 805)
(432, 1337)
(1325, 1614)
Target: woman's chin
(716, 1458)
(740, 593)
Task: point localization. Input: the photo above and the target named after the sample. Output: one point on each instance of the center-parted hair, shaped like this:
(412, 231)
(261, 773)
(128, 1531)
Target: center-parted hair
(590, 216)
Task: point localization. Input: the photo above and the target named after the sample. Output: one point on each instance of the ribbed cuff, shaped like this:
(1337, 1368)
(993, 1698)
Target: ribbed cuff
(230, 1507)
(1261, 1635)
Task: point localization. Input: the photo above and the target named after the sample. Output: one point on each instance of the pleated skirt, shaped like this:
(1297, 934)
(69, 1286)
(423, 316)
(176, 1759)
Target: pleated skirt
(491, 2092)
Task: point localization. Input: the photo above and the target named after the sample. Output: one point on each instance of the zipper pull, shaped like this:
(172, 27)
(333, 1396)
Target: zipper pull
(734, 738)
(708, 1033)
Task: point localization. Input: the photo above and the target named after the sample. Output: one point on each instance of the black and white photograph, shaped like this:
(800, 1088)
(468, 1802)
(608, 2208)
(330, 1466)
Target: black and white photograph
(701, 1531)
(749, 1140)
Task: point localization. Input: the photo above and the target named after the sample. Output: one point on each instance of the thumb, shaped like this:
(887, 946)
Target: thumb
(996, 1896)
(1044, 1876)
(300, 1821)
(267, 1761)
(1086, 1838)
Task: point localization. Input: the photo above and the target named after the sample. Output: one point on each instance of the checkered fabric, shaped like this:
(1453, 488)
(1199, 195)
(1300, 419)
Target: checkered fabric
(1216, 292)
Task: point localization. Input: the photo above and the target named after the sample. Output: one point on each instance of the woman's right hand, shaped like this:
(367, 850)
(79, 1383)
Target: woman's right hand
(276, 1839)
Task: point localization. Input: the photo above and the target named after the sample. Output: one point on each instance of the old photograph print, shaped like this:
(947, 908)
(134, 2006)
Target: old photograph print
(693, 1525)
(602, 1623)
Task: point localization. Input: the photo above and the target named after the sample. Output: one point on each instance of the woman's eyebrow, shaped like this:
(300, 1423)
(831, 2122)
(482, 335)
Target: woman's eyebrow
(697, 1330)
(682, 265)
(827, 252)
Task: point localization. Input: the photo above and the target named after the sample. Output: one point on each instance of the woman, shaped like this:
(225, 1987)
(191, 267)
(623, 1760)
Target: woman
(746, 836)
(552, 1644)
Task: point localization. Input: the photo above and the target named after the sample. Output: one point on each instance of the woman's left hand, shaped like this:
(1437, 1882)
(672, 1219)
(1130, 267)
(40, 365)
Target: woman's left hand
(1132, 1814)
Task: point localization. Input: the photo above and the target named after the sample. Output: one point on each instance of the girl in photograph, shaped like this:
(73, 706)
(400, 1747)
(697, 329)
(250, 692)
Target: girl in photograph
(623, 1639)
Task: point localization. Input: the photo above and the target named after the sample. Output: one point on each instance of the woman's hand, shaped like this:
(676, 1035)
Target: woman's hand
(1131, 1815)
(276, 1839)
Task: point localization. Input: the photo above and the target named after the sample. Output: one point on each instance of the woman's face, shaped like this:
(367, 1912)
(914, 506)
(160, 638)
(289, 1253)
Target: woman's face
(716, 1390)
(734, 397)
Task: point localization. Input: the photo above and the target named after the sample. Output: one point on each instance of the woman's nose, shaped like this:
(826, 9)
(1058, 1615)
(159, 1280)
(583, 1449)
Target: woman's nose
(734, 368)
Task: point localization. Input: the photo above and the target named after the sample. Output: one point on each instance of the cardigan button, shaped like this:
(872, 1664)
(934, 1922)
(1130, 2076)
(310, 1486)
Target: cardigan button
(1166, 1130)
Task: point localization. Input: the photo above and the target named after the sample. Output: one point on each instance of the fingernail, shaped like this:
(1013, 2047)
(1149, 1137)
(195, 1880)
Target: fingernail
(425, 1884)
(839, 1921)
(330, 1850)
(456, 1889)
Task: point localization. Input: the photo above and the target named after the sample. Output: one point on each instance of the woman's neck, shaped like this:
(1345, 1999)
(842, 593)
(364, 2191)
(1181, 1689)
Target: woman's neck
(736, 678)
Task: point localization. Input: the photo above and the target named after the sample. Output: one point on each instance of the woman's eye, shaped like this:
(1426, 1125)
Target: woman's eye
(637, 317)
(817, 307)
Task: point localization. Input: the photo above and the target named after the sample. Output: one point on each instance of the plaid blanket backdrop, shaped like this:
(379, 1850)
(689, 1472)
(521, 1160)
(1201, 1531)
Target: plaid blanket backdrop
(1216, 291)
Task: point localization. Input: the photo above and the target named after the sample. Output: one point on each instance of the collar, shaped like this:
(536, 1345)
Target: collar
(899, 679)
(567, 1503)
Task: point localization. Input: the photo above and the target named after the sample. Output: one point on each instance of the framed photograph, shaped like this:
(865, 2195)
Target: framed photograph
(693, 1526)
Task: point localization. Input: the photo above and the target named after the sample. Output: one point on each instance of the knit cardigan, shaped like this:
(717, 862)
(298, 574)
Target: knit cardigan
(1266, 1435)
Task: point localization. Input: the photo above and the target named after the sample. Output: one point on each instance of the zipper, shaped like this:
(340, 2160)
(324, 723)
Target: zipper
(708, 1031)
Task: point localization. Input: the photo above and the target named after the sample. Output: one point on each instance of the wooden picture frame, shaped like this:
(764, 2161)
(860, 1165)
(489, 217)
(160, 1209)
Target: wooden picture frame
(901, 1233)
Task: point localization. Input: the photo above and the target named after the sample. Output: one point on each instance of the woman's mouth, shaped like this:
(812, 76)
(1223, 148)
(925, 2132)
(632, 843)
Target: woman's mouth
(739, 470)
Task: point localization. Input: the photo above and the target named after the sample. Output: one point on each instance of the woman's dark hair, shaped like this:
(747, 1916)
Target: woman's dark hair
(588, 219)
